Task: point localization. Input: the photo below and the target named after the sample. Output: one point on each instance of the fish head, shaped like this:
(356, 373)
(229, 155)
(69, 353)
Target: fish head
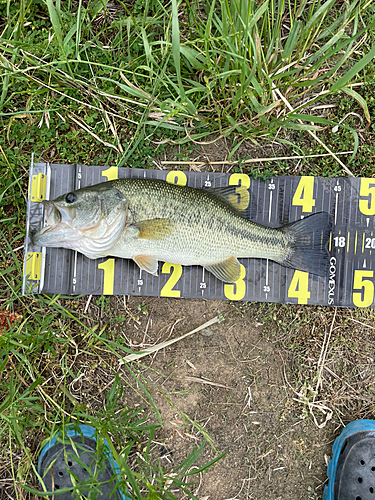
(89, 220)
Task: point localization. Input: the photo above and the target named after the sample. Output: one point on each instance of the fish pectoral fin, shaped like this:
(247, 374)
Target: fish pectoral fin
(154, 229)
(147, 263)
(228, 271)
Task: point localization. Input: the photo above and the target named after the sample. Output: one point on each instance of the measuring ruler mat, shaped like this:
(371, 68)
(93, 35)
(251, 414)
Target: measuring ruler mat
(278, 201)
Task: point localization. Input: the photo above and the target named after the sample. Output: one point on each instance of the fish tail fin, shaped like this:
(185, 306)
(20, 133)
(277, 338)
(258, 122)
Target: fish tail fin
(309, 239)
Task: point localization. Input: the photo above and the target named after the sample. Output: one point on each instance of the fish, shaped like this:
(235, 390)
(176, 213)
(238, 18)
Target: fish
(152, 220)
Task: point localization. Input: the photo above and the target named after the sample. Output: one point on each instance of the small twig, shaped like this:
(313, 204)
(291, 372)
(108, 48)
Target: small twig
(84, 127)
(323, 353)
(363, 324)
(251, 160)
(205, 381)
(162, 345)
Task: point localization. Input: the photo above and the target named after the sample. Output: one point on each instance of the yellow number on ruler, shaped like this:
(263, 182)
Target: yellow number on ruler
(299, 287)
(109, 275)
(237, 290)
(242, 181)
(111, 173)
(365, 297)
(176, 177)
(167, 290)
(304, 195)
(367, 207)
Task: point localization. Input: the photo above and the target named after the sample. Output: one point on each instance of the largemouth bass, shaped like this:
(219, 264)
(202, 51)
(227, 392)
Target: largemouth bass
(151, 220)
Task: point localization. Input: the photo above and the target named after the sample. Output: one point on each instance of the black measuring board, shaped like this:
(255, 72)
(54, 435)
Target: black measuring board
(273, 203)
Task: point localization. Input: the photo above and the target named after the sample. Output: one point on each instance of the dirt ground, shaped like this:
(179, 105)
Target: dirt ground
(233, 381)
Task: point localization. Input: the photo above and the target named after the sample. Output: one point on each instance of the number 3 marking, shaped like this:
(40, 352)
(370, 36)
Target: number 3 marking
(167, 290)
(242, 181)
(237, 290)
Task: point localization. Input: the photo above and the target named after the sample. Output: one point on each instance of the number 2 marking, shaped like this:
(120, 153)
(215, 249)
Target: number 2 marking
(167, 290)
(176, 177)
(304, 195)
(111, 173)
(108, 268)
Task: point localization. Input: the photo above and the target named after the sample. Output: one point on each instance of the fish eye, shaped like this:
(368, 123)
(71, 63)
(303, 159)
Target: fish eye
(70, 198)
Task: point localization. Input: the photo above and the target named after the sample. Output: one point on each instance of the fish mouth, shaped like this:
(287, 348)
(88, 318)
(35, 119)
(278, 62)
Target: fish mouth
(57, 227)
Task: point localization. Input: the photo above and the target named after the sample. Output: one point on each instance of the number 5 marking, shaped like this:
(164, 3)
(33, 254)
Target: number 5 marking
(109, 274)
(367, 207)
(242, 181)
(299, 287)
(304, 195)
(365, 297)
(167, 290)
(237, 290)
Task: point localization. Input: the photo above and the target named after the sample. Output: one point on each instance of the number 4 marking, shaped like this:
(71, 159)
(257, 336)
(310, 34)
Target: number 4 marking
(304, 195)
(299, 287)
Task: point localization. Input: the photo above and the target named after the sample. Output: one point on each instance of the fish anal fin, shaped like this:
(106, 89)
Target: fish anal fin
(154, 229)
(229, 270)
(147, 263)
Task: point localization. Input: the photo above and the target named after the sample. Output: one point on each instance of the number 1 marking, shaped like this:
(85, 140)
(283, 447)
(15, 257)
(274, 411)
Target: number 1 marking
(108, 268)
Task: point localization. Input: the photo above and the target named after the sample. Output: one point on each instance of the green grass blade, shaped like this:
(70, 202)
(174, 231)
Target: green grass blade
(353, 72)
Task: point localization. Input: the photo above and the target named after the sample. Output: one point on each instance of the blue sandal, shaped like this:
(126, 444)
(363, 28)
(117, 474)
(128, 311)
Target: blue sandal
(351, 471)
(79, 457)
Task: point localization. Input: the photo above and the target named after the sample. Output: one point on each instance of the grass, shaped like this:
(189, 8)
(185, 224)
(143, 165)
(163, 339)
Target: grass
(99, 84)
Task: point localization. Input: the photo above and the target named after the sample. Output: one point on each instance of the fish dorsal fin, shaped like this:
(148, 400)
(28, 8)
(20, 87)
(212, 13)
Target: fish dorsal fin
(242, 205)
(228, 271)
(147, 263)
(154, 229)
